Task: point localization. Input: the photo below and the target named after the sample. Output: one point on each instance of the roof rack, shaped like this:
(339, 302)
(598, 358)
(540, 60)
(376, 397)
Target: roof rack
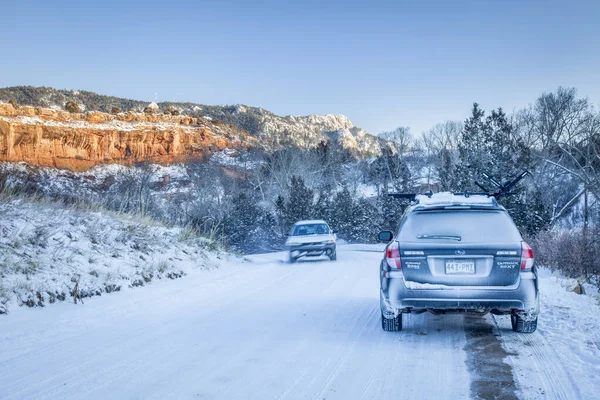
(410, 196)
(502, 190)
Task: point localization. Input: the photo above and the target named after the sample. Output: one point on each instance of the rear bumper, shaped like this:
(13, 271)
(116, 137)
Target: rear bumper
(522, 297)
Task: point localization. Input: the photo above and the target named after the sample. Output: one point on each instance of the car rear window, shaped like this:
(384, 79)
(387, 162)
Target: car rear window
(471, 226)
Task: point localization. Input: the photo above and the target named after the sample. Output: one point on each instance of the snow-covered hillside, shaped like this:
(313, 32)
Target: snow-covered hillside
(309, 131)
(50, 253)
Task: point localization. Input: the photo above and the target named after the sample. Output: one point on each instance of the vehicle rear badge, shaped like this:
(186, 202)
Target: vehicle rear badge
(460, 252)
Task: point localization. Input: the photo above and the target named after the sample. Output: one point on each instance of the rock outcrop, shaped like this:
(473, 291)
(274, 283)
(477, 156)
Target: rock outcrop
(273, 131)
(78, 141)
(309, 131)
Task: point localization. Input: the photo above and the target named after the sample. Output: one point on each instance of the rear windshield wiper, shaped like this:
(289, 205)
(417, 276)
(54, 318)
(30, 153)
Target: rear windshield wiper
(449, 237)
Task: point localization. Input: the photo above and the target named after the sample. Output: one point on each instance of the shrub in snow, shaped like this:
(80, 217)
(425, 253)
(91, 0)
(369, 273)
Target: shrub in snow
(173, 111)
(571, 252)
(72, 107)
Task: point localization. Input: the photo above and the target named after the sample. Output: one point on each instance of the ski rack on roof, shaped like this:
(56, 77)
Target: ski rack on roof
(502, 190)
(410, 196)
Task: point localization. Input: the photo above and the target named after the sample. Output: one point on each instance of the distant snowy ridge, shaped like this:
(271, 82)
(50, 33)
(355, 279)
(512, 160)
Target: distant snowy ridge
(311, 130)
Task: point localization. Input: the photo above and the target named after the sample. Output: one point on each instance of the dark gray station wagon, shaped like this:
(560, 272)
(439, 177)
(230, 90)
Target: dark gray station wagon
(457, 253)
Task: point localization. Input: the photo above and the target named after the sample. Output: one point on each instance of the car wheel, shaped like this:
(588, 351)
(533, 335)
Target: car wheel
(522, 326)
(391, 324)
(292, 258)
(333, 256)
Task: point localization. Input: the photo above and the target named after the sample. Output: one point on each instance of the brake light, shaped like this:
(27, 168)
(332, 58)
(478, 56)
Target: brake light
(392, 256)
(526, 257)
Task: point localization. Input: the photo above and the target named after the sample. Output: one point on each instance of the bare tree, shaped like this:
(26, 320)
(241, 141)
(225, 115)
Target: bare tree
(133, 192)
(563, 130)
(444, 136)
(400, 139)
(440, 150)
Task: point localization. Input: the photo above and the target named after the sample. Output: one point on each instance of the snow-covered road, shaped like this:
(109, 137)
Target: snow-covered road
(266, 329)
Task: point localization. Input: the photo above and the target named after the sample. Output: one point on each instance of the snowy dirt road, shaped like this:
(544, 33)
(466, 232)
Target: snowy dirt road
(266, 329)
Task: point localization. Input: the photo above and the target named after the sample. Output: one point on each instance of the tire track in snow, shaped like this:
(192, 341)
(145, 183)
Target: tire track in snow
(361, 319)
(367, 385)
(370, 369)
(290, 292)
(431, 363)
(145, 335)
(61, 342)
(225, 360)
(491, 376)
(542, 361)
(349, 349)
(321, 371)
(273, 331)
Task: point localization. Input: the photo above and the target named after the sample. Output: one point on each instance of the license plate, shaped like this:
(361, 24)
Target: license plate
(460, 266)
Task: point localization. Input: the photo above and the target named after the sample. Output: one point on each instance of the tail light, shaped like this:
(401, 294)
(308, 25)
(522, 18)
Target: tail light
(392, 255)
(526, 257)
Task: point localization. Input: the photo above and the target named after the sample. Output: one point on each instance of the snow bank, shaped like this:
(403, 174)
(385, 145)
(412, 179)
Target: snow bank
(51, 253)
(565, 350)
(451, 198)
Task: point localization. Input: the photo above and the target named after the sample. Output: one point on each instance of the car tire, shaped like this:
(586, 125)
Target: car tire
(292, 258)
(522, 326)
(333, 256)
(391, 324)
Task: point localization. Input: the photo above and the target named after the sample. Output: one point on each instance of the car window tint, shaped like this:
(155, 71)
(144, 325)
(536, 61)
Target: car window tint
(472, 226)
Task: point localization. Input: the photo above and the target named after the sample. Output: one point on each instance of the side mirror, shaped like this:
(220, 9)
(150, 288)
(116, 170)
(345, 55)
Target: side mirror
(385, 236)
(333, 231)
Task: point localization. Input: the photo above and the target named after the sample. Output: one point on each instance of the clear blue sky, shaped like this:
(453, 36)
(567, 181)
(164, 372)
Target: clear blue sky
(383, 64)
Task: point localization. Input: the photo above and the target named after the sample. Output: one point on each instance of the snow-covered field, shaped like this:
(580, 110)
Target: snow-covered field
(261, 328)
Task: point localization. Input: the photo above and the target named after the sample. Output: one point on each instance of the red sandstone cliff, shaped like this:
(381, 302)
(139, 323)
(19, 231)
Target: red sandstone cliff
(78, 141)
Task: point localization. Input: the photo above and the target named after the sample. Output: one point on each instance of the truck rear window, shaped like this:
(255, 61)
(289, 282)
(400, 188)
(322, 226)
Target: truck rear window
(470, 226)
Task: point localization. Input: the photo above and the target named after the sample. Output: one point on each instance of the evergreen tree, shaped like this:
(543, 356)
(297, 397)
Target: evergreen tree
(391, 171)
(342, 213)
(470, 149)
(365, 226)
(390, 212)
(489, 145)
(248, 227)
(300, 204)
(241, 220)
(447, 171)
